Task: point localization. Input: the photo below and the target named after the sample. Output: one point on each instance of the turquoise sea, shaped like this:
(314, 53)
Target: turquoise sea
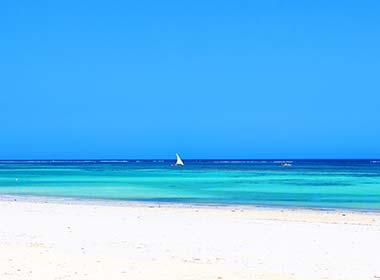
(353, 184)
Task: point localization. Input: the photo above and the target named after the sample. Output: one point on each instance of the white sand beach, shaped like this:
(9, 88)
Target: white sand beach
(41, 241)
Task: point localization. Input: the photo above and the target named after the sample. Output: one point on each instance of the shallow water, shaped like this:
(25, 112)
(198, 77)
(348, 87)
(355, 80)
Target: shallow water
(319, 183)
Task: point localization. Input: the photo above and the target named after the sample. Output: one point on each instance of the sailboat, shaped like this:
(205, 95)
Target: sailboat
(179, 161)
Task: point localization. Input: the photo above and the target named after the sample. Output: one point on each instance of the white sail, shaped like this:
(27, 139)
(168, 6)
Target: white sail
(179, 160)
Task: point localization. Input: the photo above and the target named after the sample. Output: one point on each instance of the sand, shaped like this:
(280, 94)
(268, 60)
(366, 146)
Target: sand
(96, 241)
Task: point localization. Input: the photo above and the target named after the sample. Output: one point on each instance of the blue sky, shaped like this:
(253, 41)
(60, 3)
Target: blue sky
(208, 79)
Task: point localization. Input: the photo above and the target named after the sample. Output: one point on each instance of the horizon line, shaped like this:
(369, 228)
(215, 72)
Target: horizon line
(172, 159)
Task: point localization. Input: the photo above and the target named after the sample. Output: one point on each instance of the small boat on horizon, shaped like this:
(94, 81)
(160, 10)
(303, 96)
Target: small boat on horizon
(179, 161)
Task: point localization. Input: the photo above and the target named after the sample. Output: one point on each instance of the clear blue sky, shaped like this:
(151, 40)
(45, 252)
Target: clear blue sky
(209, 79)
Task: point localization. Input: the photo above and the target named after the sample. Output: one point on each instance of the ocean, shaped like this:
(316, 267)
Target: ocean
(348, 184)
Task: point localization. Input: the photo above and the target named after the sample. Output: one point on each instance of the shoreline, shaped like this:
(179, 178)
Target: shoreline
(262, 213)
(129, 203)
